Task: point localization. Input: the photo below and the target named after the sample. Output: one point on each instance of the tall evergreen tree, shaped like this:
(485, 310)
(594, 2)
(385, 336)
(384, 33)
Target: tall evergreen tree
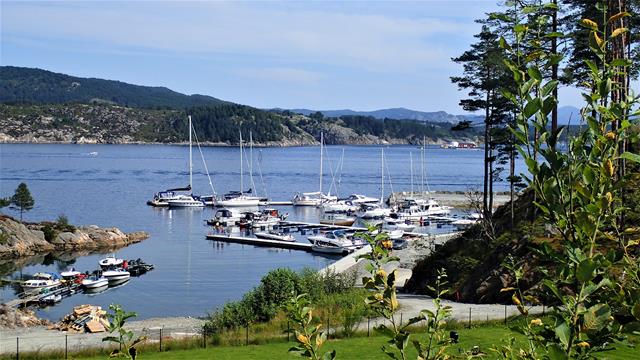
(22, 199)
(484, 75)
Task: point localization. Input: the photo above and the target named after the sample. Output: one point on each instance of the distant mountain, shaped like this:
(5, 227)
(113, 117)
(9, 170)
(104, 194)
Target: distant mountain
(568, 114)
(397, 113)
(21, 85)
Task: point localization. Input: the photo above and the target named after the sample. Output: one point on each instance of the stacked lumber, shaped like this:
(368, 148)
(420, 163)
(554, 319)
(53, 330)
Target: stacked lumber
(86, 317)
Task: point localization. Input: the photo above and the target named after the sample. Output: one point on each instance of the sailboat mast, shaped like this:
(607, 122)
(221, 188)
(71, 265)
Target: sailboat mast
(381, 176)
(411, 161)
(422, 167)
(251, 159)
(321, 149)
(241, 167)
(190, 157)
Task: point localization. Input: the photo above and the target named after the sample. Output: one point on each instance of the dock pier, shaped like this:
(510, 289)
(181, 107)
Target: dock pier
(294, 245)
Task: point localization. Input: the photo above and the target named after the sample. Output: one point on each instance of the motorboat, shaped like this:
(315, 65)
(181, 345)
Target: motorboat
(369, 211)
(414, 210)
(361, 199)
(110, 262)
(335, 240)
(274, 235)
(322, 245)
(395, 224)
(467, 221)
(116, 276)
(138, 267)
(339, 206)
(225, 217)
(337, 219)
(40, 281)
(162, 198)
(95, 281)
(70, 273)
(50, 299)
(186, 201)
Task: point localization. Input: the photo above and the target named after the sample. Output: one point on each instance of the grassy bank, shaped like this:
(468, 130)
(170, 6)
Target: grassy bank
(484, 336)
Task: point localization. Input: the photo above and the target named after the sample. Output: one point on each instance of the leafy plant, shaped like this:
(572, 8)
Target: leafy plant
(308, 335)
(383, 302)
(126, 339)
(579, 193)
(22, 199)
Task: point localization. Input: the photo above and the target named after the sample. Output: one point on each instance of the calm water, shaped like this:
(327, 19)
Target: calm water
(194, 275)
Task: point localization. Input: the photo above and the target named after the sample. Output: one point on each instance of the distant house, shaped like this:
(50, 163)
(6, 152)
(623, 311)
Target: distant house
(467, 145)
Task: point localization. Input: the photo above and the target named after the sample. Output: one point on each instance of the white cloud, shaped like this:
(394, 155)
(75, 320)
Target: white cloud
(372, 41)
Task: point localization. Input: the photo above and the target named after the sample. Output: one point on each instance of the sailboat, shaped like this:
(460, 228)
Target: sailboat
(187, 200)
(377, 211)
(314, 198)
(241, 200)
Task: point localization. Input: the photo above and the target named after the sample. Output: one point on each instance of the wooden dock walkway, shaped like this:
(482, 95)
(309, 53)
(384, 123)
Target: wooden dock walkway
(314, 226)
(260, 242)
(27, 298)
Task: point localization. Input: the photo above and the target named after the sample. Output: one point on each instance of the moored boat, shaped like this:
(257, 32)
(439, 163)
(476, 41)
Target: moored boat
(70, 273)
(337, 219)
(40, 281)
(116, 276)
(110, 262)
(95, 281)
(274, 235)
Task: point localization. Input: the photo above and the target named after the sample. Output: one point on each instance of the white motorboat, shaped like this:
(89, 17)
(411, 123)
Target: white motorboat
(337, 219)
(225, 217)
(361, 199)
(467, 221)
(70, 273)
(94, 282)
(274, 235)
(322, 245)
(373, 212)
(186, 201)
(339, 206)
(416, 210)
(41, 281)
(116, 276)
(110, 262)
(336, 238)
(50, 299)
(395, 224)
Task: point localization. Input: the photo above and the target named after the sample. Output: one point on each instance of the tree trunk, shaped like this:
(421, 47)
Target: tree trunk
(485, 204)
(554, 68)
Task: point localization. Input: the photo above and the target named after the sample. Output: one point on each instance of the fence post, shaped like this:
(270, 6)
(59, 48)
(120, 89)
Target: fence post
(400, 319)
(505, 314)
(469, 318)
(288, 331)
(543, 309)
(66, 346)
(246, 335)
(160, 339)
(204, 339)
(328, 328)
(17, 348)
(368, 324)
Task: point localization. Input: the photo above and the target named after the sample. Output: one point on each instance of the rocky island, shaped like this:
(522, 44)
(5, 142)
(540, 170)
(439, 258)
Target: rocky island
(21, 239)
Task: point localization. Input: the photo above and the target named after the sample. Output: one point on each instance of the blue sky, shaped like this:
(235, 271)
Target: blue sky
(318, 55)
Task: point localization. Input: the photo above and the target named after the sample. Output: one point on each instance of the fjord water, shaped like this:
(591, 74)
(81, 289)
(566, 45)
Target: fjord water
(108, 185)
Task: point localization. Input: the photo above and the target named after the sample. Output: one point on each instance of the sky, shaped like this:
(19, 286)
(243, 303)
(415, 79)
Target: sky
(294, 54)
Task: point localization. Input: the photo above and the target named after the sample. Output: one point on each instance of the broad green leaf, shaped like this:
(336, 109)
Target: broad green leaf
(597, 317)
(631, 157)
(585, 270)
(534, 73)
(563, 333)
(555, 352)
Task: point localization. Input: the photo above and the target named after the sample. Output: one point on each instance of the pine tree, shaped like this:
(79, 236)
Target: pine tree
(22, 199)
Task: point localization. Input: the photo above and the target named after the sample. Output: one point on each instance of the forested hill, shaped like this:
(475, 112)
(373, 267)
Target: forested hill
(42, 106)
(35, 86)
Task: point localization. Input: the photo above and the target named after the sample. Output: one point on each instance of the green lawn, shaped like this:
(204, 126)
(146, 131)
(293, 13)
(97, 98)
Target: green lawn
(360, 348)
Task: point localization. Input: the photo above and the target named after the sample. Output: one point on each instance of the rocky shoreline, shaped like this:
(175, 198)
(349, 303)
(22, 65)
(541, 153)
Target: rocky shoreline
(20, 239)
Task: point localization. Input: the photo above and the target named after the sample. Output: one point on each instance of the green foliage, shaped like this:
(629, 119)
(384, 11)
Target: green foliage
(126, 339)
(62, 224)
(17, 84)
(276, 288)
(4, 202)
(307, 330)
(49, 232)
(579, 194)
(22, 199)
(383, 302)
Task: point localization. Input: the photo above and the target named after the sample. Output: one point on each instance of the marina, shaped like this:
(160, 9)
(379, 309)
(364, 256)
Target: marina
(178, 245)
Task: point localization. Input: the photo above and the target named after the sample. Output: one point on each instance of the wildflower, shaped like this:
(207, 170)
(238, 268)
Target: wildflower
(609, 197)
(583, 344)
(378, 296)
(381, 273)
(303, 339)
(610, 135)
(387, 244)
(536, 322)
(515, 300)
(608, 167)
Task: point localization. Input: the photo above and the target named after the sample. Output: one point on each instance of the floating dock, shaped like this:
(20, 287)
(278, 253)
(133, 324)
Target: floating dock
(306, 226)
(29, 298)
(260, 242)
